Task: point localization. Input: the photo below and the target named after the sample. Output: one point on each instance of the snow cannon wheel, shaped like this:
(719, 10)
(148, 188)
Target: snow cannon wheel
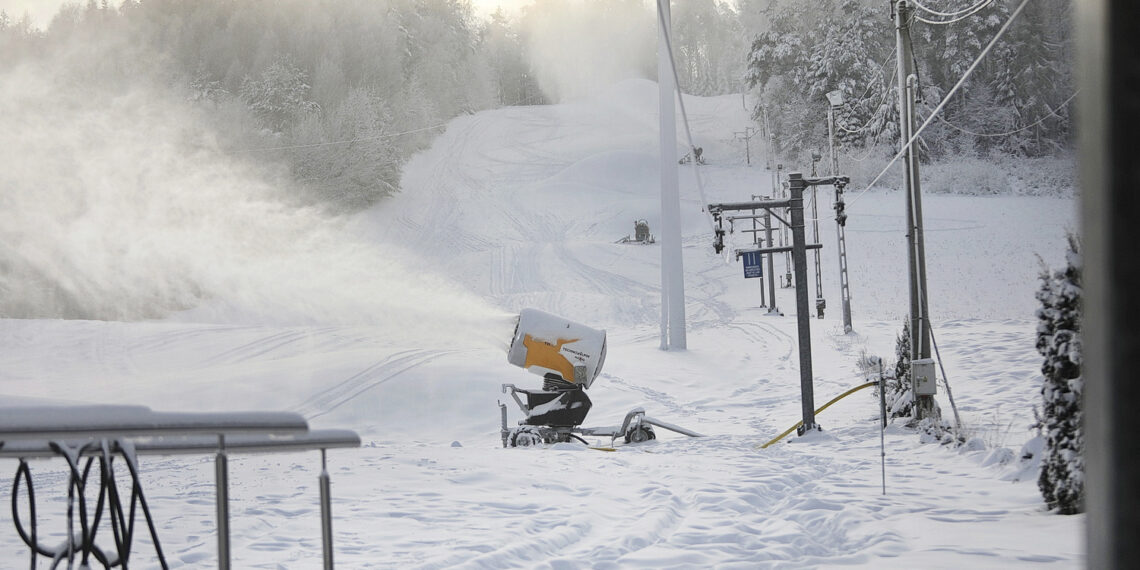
(640, 434)
(525, 437)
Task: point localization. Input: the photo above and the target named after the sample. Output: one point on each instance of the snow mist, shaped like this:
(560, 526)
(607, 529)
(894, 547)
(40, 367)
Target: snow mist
(117, 204)
(579, 46)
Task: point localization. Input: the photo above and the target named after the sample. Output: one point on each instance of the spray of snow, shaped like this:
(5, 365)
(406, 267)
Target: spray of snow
(579, 46)
(119, 205)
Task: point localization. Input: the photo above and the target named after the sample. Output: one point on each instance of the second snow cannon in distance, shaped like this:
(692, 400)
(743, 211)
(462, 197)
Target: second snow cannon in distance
(569, 356)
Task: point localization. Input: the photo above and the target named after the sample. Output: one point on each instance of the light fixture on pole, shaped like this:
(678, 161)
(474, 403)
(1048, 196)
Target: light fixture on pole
(835, 99)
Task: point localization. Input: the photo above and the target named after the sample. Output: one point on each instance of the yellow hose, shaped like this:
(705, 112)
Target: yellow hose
(821, 408)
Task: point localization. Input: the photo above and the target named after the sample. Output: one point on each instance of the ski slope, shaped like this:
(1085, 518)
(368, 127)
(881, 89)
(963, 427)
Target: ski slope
(395, 324)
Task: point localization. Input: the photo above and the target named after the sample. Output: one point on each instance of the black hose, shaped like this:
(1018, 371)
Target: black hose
(115, 506)
(29, 538)
(122, 524)
(137, 492)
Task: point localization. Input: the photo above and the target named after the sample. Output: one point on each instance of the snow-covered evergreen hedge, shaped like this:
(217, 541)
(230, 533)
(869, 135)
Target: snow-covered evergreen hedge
(1058, 339)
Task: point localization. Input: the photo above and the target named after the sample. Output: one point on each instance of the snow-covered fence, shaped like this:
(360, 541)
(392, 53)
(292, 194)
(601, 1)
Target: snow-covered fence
(106, 432)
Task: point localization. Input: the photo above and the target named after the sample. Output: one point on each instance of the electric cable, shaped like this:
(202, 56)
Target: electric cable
(975, 7)
(946, 382)
(907, 145)
(882, 66)
(955, 18)
(870, 149)
(1052, 113)
(882, 100)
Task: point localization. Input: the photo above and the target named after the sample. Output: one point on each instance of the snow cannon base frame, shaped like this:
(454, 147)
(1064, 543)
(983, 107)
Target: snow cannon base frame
(543, 405)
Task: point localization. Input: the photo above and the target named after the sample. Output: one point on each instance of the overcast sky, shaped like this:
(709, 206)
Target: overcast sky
(41, 11)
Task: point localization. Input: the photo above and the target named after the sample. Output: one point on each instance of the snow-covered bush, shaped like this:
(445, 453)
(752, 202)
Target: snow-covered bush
(966, 175)
(1058, 339)
(898, 390)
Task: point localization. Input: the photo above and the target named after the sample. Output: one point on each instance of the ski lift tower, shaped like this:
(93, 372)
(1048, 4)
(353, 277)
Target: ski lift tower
(794, 205)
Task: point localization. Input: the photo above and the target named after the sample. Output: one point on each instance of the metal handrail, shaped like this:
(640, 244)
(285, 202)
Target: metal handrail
(100, 432)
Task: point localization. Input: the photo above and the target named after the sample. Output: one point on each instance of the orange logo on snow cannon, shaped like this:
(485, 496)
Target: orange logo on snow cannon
(549, 356)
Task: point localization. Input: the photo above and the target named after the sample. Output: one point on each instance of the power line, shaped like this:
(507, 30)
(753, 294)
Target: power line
(946, 99)
(872, 117)
(1051, 114)
(868, 90)
(881, 66)
(870, 149)
(959, 16)
(973, 8)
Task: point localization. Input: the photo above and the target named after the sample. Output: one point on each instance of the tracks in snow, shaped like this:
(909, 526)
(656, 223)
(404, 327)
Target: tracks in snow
(372, 376)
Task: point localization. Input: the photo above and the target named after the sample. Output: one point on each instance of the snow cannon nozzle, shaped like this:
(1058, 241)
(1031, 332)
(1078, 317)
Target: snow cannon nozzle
(547, 344)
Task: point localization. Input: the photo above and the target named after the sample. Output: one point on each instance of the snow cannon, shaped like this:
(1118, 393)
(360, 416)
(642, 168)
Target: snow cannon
(568, 356)
(548, 345)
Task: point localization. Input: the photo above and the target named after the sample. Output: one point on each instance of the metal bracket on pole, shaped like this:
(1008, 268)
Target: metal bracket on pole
(767, 250)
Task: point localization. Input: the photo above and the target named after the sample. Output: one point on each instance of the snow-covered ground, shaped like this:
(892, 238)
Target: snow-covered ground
(395, 324)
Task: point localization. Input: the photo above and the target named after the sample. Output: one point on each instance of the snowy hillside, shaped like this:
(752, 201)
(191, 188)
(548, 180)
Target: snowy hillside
(395, 324)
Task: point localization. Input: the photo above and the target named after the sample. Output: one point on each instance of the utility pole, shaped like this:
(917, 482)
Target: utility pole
(835, 99)
(922, 367)
(772, 309)
(759, 243)
(768, 148)
(746, 136)
(781, 192)
(820, 304)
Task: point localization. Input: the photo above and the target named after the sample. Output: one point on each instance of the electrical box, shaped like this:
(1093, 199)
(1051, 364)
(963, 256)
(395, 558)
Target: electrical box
(925, 383)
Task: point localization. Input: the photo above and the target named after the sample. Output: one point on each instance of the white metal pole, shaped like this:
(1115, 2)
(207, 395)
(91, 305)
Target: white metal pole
(672, 268)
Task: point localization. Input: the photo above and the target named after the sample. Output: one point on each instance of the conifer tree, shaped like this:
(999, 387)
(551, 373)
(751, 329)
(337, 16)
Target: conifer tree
(1058, 340)
(898, 393)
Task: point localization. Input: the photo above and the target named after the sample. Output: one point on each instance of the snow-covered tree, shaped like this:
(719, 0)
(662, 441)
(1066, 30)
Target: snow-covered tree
(506, 55)
(898, 390)
(810, 51)
(1011, 105)
(1058, 339)
(279, 96)
(707, 43)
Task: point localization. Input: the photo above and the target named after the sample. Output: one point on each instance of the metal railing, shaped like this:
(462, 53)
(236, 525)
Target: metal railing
(83, 435)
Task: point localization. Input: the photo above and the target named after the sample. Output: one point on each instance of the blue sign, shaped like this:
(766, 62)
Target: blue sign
(753, 264)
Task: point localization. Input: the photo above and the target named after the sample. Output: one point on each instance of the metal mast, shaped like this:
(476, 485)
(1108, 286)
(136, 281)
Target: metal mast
(834, 99)
(672, 268)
